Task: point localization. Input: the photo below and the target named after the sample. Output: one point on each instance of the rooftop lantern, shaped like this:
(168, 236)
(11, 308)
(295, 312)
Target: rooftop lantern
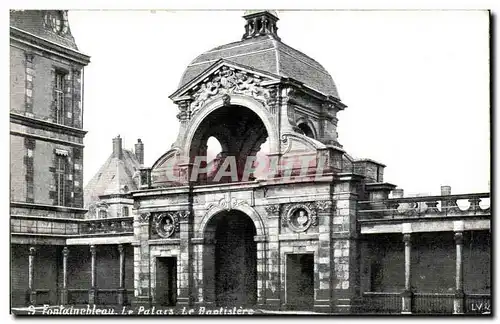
(260, 23)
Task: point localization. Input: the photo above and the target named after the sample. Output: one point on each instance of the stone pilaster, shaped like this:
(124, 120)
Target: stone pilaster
(142, 292)
(272, 267)
(30, 75)
(345, 251)
(64, 291)
(185, 285)
(77, 120)
(261, 269)
(323, 301)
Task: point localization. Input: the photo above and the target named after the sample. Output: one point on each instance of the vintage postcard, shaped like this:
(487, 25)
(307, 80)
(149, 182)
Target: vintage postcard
(250, 162)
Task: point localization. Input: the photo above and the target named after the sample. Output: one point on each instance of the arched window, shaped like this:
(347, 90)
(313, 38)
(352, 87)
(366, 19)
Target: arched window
(103, 213)
(306, 130)
(125, 211)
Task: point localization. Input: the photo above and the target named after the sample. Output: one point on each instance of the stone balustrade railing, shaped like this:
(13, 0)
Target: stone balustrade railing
(107, 225)
(71, 227)
(426, 206)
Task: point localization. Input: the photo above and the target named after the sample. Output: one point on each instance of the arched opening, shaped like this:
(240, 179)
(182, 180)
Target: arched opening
(306, 130)
(240, 134)
(230, 260)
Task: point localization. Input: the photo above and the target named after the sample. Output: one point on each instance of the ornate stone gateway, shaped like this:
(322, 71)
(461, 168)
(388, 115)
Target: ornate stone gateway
(245, 226)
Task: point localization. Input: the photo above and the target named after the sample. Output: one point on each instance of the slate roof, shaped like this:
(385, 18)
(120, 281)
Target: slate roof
(116, 176)
(268, 54)
(32, 21)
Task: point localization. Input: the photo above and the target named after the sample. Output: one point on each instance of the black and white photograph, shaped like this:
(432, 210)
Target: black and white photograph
(249, 162)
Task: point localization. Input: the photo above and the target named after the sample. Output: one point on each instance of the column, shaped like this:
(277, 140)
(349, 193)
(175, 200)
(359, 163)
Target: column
(92, 290)
(121, 289)
(458, 302)
(64, 290)
(31, 273)
(407, 293)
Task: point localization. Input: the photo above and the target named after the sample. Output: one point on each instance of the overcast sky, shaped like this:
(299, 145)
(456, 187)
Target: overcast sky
(416, 84)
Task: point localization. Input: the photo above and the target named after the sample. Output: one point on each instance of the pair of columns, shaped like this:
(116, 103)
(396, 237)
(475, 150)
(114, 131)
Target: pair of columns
(64, 290)
(458, 302)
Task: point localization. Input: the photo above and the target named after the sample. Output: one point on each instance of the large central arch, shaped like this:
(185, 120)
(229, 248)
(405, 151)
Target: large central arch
(240, 130)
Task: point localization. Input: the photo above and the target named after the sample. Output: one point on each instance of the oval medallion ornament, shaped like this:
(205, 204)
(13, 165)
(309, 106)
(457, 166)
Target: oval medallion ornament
(165, 225)
(299, 218)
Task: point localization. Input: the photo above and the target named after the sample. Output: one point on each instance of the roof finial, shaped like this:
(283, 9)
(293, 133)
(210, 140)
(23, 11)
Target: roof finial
(260, 22)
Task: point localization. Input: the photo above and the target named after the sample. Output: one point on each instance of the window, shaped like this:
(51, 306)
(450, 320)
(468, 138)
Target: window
(103, 213)
(60, 173)
(124, 211)
(59, 96)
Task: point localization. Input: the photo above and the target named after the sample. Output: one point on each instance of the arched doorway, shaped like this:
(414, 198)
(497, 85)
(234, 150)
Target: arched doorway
(230, 259)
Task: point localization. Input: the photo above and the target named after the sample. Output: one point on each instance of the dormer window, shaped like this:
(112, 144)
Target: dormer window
(103, 213)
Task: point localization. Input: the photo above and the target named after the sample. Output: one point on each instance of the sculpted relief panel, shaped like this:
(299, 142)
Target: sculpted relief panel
(228, 80)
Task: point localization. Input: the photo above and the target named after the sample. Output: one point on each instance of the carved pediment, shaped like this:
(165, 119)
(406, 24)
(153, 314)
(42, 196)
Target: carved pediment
(224, 79)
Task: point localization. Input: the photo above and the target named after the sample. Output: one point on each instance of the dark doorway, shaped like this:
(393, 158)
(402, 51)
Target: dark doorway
(235, 260)
(166, 281)
(300, 281)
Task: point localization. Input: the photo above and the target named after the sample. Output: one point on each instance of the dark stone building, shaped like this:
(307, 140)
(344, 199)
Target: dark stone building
(329, 237)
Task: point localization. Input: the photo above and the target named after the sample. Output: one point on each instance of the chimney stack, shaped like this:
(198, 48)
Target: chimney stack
(398, 193)
(117, 147)
(139, 151)
(445, 190)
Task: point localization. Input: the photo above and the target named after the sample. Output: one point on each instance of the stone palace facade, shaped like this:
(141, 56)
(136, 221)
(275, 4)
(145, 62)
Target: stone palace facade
(333, 237)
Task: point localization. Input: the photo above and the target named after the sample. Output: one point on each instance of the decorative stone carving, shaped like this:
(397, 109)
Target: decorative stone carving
(323, 205)
(183, 114)
(299, 217)
(226, 81)
(29, 57)
(166, 224)
(228, 204)
(144, 217)
(272, 209)
(182, 214)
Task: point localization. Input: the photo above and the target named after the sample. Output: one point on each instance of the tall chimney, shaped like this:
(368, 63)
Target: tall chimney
(398, 193)
(445, 190)
(117, 147)
(139, 151)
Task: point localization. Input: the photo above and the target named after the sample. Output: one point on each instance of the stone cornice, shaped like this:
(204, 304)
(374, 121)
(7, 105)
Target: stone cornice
(47, 139)
(38, 123)
(48, 46)
(48, 207)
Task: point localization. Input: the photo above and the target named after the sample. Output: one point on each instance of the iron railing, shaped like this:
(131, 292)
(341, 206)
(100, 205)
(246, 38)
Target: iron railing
(425, 303)
(430, 303)
(382, 302)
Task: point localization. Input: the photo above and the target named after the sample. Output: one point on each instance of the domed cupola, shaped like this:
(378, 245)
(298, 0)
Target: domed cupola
(252, 92)
(261, 48)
